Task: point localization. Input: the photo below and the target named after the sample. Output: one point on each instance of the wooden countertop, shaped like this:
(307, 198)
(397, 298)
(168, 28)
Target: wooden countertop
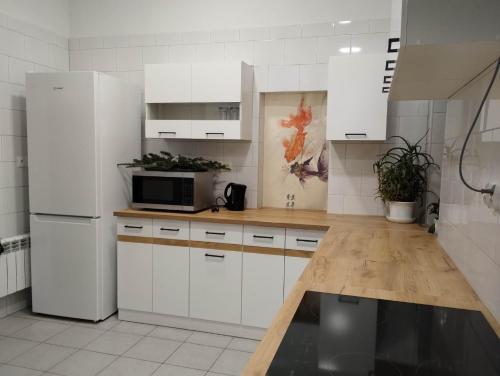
(359, 255)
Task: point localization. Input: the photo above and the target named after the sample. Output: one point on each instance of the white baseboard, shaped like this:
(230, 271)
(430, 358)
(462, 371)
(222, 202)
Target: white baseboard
(192, 324)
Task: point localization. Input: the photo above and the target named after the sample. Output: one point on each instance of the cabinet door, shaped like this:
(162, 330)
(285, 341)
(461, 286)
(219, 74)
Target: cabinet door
(262, 292)
(170, 280)
(168, 129)
(216, 82)
(357, 107)
(215, 285)
(216, 129)
(167, 83)
(135, 276)
(294, 266)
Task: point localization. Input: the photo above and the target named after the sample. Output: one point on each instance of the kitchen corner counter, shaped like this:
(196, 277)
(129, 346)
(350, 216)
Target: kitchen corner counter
(360, 255)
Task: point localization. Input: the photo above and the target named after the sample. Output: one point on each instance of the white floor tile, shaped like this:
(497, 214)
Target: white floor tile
(11, 324)
(13, 347)
(195, 356)
(130, 367)
(43, 357)
(168, 370)
(6, 370)
(133, 328)
(209, 339)
(171, 333)
(243, 344)
(231, 362)
(75, 336)
(211, 374)
(153, 349)
(107, 324)
(40, 331)
(113, 343)
(83, 363)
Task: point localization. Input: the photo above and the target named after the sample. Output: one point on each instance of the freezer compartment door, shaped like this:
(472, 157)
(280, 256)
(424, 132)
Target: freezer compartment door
(65, 266)
(63, 150)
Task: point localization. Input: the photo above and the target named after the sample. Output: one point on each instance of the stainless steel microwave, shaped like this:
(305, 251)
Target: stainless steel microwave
(165, 190)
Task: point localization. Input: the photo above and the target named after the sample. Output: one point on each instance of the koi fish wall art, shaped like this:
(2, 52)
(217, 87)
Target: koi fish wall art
(295, 172)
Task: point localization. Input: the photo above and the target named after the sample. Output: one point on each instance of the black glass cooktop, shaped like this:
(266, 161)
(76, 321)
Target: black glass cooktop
(342, 335)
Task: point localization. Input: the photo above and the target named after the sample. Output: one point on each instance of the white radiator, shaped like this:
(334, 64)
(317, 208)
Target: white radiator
(15, 270)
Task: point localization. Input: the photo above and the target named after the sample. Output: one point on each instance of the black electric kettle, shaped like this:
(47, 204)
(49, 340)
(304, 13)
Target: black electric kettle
(235, 200)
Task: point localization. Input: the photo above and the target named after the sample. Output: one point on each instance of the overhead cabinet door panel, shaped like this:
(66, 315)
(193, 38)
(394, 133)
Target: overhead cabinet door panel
(216, 82)
(167, 83)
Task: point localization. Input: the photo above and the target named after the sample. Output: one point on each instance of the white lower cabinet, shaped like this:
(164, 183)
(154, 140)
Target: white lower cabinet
(171, 280)
(215, 285)
(135, 276)
(262, 293)
(294, 266)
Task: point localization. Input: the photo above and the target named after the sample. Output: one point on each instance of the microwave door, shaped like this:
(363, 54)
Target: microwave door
(162, 191)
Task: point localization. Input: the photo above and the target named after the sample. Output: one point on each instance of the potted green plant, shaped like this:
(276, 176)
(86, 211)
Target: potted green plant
(402, 179)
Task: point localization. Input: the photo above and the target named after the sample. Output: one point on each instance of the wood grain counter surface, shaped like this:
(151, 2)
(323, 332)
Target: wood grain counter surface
(359, 255)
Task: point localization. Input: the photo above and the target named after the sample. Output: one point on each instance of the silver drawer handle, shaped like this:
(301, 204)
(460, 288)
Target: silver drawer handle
(215, 233)
(214, 256)
(134, 227)
(263, 237)
(169, 229)
(307, 240)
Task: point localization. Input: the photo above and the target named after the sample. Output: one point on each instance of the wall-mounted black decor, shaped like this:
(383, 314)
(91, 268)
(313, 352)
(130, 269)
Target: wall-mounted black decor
(390, 65)
(390, 43)
(385, 89)
(387, 79)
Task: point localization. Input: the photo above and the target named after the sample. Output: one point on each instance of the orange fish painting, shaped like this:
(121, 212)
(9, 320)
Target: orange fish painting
(295, 145)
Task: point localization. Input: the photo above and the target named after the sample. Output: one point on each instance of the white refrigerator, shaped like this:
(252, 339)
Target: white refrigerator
(80, 125)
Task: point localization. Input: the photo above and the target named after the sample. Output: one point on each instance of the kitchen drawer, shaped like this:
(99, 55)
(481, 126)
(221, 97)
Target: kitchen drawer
(215, 129)
(168, 229)
(215, 285)
(168, 129)
(303, 240)
(217, 232)
(264, 236)
(135, 226)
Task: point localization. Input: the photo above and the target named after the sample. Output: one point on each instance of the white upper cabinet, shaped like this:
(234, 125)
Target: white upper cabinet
(357, 105)
(167, 83)
(199, 100)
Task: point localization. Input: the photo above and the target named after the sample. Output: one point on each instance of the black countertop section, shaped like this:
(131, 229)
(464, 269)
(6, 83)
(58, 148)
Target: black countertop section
(349, 336)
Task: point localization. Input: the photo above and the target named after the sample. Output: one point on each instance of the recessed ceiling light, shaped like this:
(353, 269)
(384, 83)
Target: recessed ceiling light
(344, 50)
(345, 22)
(355, 49)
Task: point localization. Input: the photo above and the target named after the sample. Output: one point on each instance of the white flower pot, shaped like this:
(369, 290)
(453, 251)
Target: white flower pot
(401, 212)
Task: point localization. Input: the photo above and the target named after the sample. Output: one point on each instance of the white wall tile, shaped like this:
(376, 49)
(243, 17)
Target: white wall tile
(301, 51)
(80, 60)
(354, 27)
(256, 33)
(4, 68)
(370, 43)
(210, 52)
(104, 60)
(335, 204)
(196, 37)
(225, 35)
(12, 96)
(238, 154)
(438, 124)
(12, 123)
(12, 43)
(313, 77)
(37, 51)
(141, 40)
(360, 156)
(113, 42)
(380, 25)
(361, 205)
(18, 69)
(412, 128)
(168, 39)
(58, 58)
(330, 46)
(285, 32)
(13, 224)
(179, 54)
(283, 78)
(74, 44)
(12, 147)
(90, 43)
(129, 59)
(317, 30)
(269, 52)
(155, 54)
(12, 176)
(14, 199)
(243, 51)
(260, 78)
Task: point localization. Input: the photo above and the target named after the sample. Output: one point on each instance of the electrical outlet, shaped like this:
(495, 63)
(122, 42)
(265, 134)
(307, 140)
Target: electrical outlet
(21, 161)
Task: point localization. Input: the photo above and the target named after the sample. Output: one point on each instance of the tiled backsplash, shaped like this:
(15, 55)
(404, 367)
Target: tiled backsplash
(468, 230)
(285, 58)
(23, 48)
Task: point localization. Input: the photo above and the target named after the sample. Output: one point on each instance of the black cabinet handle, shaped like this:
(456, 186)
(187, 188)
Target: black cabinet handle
(134, 227)
(307, 240)
(387, 79)
(169, 229)
(385, 89)
(389, 65)
(167, 132)
(263, 237)
(214, 256)
(391, 41)
(214, 133)
(215, 233)
(355, 134)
